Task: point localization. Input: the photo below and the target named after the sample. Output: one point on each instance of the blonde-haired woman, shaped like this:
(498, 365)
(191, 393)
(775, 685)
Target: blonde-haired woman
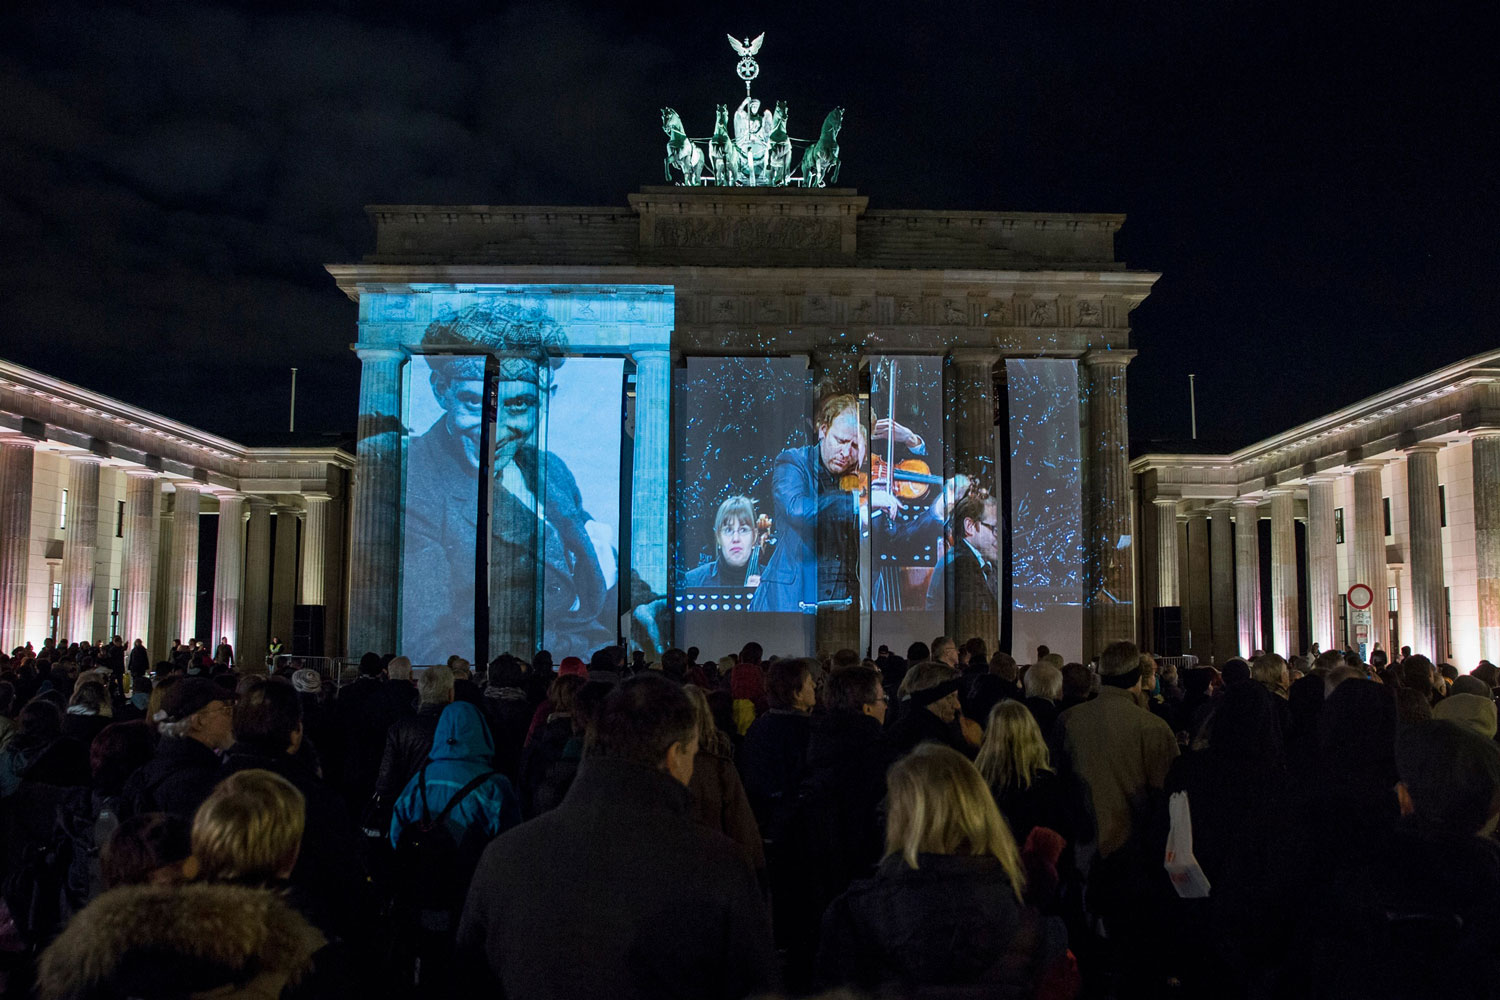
(1016, 764)
(944, 911)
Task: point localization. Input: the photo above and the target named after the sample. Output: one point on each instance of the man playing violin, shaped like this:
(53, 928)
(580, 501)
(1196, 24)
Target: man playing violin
(819, 513)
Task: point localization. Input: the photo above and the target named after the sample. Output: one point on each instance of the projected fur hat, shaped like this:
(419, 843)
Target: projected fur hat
(506, 327)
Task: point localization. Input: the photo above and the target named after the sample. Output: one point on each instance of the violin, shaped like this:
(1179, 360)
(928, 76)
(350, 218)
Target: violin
(910, 480)
(763, 539)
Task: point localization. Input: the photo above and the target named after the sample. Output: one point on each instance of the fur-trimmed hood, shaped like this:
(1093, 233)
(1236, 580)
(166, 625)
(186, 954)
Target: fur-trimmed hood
(189, 941)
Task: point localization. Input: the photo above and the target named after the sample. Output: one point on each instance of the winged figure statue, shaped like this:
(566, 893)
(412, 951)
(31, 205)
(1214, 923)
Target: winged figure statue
(747, 48)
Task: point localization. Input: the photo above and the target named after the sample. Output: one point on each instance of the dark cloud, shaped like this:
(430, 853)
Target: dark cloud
(1314, 182)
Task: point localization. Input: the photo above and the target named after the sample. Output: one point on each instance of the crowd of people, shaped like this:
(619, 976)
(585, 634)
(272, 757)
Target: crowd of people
(945, 824)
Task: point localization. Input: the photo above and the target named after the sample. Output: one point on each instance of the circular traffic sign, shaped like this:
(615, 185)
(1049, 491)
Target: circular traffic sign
(1361, 596)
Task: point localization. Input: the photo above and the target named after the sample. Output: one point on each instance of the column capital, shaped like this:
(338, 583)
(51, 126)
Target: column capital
(1425, 448)
(1246, 503)
(186, 486)
(378, 352)
(316, 497)
(139, 473)
(1324, 477)
(1484, 432)
(974, 355)
(1108, 357)
(639, 354)
(1369, 465)
(85, 458)
(16, 441)
(260, 503)
(1198, 512)
(1165, 502)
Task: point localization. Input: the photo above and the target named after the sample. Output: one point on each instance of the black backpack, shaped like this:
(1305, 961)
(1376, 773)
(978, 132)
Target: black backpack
(432, 869)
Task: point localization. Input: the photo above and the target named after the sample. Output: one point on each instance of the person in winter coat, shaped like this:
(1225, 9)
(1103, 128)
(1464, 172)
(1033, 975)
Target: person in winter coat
(230, 942)
(943, 915)
(267, 731)
(932, 711)
(195, 722)
(462, 750)
(40, 752)
(409, 739)
(618, 892)
(770, 757)
(719, 800)
(1015, 763)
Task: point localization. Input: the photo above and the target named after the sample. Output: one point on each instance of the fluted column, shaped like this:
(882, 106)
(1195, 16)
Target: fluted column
(164, 602)
(1486, 461)
(1200, 610)
(184, 597)
(837, 371)
(1424, 511)
(315, 550)
(1284, 630)
(1221, 583)
(80, 548)
(138, 565)
(229, 571)
(1247, 574)
(284, 569)
(256, 610)
(1322, 563)
(1108, 570)
(375, 555)
(1167, 593)
(1369, 550)
(17, 462)
(650, 506)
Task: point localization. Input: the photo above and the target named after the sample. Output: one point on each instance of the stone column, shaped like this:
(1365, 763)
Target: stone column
(1200, 610)
(1369, 550)
(1166, 554)
(314, 550)
(284, 570)
(1284, 631)
(1424, 510)
(650, 504)
(17, 461)
(1109, 583)
(164, 601)
(837, 371)
(138, 565)
(184, 596)
(1322, 563)
(80, 548)
(1221, 583)
(1247, 574)
(256, 610)
(375, 555)
(1486, 461)
(229, 571)
(17, 464)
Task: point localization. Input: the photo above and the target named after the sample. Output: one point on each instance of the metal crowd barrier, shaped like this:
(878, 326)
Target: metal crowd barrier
(330, 668)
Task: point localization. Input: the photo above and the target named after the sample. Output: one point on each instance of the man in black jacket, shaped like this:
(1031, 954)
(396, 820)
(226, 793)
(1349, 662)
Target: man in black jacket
(194, 721)
(771, 756)
(268, 735)
(409, 740)
(618, 892)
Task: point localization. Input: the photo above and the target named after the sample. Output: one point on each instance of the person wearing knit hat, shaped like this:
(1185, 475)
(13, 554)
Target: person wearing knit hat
(1469, 710)
(444, 461)
(571, 666)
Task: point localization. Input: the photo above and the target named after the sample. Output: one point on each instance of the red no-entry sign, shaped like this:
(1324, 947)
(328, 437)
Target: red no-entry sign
(1361, 596)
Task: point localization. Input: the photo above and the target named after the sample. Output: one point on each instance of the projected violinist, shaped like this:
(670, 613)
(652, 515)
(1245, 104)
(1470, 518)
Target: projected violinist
(824, 499)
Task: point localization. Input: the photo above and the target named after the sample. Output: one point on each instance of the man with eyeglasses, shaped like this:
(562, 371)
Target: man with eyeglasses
(974, 555)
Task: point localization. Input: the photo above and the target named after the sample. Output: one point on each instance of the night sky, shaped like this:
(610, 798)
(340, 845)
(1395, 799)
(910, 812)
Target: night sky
(1319, 192)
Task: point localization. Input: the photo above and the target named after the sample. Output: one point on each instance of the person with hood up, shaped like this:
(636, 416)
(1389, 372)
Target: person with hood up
(463, 752)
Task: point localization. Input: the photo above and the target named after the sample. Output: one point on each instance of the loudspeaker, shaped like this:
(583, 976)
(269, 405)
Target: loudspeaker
(307, 630)
(1166, 629)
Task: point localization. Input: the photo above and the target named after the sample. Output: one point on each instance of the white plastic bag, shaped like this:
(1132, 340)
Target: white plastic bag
(1182, 868)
